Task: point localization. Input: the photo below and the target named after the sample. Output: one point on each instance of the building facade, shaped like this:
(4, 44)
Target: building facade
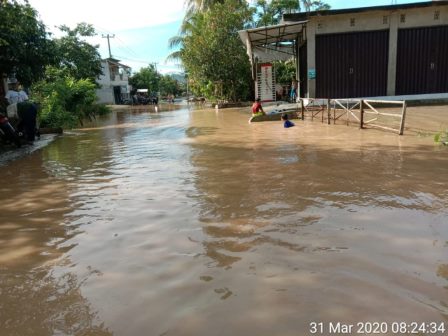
(114, 83)
(397, 50)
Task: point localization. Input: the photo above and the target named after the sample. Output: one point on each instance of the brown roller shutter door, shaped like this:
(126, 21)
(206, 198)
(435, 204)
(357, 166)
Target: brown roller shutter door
(352, 65)
(422, 60)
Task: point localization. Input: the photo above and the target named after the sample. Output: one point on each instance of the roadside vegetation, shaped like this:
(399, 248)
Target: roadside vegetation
(60, 72)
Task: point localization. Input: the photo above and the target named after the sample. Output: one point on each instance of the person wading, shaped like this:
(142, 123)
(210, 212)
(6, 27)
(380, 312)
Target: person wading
(257, 109)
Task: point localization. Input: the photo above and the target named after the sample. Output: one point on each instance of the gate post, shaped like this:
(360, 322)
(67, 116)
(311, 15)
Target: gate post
(323, 113)
(361, 111)
(302, 108)
(328, 111)
(403, 116)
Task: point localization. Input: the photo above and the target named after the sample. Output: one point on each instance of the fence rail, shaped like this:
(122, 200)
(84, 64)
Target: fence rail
(314, 107)
(356, 109)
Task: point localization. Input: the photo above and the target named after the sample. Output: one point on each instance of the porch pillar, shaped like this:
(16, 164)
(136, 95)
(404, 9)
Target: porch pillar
(311, 55)
(392, 61)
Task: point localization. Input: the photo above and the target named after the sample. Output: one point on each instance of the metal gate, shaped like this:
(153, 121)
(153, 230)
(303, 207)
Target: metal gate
(385, 114)
(422, 60)
(352, 64)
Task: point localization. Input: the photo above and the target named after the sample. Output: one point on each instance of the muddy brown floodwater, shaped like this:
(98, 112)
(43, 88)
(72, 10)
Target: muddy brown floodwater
(194, 222)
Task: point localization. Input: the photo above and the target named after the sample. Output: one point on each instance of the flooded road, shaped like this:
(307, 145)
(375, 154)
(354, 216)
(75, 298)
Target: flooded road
(194, 222)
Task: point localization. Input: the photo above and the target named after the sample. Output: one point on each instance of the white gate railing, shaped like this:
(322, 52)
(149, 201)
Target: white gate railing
(355, 109)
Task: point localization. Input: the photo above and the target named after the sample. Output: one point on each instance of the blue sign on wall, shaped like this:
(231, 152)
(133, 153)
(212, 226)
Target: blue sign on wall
(311, 73)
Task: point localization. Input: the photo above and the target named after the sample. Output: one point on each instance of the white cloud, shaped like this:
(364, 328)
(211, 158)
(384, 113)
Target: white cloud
(109, 15)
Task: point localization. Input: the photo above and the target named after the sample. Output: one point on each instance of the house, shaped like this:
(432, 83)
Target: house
(395, 50)
(114, 83)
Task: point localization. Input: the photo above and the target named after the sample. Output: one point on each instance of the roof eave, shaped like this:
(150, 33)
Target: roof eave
(305, 15)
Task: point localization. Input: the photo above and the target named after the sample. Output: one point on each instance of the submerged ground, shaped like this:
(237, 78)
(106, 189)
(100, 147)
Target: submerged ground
(194, 222)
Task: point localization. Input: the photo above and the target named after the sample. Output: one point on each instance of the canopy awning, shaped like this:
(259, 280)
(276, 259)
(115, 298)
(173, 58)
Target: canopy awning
(274, 42)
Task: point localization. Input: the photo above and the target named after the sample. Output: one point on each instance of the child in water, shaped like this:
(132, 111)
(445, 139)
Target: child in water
(257, 109)
(287, 122)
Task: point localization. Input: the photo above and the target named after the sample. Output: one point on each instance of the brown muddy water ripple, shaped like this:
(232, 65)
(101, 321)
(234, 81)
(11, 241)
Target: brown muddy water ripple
(194, 222)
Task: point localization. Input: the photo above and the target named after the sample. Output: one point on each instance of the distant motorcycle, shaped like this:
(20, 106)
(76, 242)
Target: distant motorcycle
(7, 132)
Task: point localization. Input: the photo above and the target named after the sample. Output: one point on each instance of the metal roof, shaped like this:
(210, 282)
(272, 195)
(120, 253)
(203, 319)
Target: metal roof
(273, 42)
(305, 15)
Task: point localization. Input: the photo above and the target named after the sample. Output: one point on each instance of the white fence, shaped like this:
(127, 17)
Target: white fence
(355, 111)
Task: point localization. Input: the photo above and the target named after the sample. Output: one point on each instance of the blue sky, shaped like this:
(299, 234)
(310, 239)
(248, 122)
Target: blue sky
(141, 27)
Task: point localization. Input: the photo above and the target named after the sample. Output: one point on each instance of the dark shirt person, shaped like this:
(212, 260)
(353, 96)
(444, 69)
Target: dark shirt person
(287, 123)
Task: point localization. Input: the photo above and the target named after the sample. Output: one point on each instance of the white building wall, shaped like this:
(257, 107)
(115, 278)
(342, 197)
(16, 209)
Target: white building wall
(106, 93)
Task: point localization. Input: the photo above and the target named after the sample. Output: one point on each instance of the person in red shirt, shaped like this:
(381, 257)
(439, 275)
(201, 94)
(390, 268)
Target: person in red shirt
(257, 109)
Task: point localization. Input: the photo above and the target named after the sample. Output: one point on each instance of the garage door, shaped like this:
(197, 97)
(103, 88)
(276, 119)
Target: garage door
(422, 60)
(352, 64)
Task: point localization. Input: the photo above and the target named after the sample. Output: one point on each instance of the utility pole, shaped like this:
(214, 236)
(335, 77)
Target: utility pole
(108, 42)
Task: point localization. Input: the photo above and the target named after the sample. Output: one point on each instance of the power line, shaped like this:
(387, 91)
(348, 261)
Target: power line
(133, 60)
(128, 48)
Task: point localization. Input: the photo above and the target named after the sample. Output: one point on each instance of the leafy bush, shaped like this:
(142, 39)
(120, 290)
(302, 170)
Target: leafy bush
(99, 109)
(65, 101)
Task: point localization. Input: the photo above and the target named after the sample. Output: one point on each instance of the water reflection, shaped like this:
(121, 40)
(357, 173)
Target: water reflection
(275, 206)
(250, 192)
(35, 239)
(177, 222)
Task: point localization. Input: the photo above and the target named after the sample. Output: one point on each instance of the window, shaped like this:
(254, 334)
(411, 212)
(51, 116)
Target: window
(352, 22)
(385, 19)
(403, 18)
(437, 15)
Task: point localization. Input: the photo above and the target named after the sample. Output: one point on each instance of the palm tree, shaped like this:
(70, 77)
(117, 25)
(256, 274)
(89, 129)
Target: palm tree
(200, 5)
(271, 12)
(187, 27)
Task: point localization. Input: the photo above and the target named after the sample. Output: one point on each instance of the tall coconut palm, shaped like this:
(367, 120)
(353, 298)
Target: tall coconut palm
(176, 42)
(269, 12)
(200, 5)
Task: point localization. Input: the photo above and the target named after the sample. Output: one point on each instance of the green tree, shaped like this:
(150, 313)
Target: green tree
(212, 52)
(193, 7)
(65, 101)
(76, 57)
(146, 78)
(285, 71)
(168, 85)
(271, 12)
(25, 48)
(200, 5)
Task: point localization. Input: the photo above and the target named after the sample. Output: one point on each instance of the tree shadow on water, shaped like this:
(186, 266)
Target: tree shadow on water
(36, 297)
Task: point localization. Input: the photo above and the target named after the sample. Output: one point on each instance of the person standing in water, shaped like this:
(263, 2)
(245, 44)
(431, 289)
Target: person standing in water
(257, 109)
(293, 95)
(287, 123)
